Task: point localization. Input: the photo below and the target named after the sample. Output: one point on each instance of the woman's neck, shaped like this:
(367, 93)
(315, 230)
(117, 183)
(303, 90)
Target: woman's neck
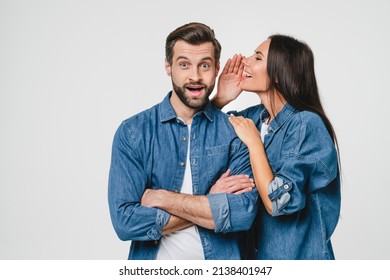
(273, 103)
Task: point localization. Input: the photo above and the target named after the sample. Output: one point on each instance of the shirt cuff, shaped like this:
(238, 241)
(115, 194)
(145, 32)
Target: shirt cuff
(162, 219)
(278, 194)
(220, 210)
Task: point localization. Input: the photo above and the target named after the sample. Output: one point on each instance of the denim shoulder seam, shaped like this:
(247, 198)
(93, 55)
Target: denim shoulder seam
(300, 132)
(133, 140)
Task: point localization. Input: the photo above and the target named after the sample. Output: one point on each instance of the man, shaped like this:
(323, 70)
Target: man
(164, 192)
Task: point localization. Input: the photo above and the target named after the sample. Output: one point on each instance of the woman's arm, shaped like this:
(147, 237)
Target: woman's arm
(262, 172)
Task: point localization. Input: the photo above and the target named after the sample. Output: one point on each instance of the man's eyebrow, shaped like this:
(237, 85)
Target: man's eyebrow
(186, 58)
(181, 57)
(207, 58)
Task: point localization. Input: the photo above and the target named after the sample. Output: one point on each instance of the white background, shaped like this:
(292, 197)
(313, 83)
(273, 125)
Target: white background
(71, 71)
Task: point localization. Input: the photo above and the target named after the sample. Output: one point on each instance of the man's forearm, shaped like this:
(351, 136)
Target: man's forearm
(176, 223)
(194, 208)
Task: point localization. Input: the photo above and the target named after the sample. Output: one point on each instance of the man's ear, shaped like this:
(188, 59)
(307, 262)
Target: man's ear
(217, 67)
(168, 68)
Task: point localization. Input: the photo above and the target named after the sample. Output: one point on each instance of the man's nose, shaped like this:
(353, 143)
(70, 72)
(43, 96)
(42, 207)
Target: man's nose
(194, 74)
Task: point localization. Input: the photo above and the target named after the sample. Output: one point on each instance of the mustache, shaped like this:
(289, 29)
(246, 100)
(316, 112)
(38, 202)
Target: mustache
(195, 84)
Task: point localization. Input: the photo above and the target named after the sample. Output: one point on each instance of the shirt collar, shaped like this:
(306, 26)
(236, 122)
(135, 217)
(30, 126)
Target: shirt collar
(167, 112)
(279, 119)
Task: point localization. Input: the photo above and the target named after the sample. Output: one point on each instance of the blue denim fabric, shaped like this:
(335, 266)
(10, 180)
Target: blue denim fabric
(305, 193)
(149, 151)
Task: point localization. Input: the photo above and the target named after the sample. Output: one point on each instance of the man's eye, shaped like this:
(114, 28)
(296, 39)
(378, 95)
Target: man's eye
(205, 66)
(183, 65)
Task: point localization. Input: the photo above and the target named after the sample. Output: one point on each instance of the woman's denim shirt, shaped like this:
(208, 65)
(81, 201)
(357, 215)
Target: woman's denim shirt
(149, 151)
(305, 192)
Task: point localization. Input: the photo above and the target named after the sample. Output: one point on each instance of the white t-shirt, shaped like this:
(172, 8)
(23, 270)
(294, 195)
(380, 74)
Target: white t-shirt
(264, 130)
(183, 244)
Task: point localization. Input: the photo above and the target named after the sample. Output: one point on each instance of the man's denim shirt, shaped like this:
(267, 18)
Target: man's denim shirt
(305, 193)
(149, 151)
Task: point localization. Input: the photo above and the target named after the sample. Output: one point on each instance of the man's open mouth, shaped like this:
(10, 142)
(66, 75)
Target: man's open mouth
(195, 89)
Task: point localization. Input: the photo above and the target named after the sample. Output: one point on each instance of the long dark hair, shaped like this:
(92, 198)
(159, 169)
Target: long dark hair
(290, 68)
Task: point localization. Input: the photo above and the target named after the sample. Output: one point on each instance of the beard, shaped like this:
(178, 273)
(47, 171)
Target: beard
(191, 101)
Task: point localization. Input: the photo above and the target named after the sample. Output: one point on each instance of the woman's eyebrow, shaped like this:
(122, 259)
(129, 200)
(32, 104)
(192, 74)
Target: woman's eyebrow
(259, 52)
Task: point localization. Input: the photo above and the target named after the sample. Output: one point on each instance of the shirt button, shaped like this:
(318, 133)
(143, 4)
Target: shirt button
(285, 187)
(184, 139)
(182, 164)
(178, 121)
(155, 242)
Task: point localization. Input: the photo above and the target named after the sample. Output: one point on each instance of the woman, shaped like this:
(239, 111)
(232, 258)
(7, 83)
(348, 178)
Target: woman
(294, 158)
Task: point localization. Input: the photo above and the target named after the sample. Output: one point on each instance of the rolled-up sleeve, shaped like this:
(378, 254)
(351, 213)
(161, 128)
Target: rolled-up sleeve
(162, 219)
(127, 183)
(278, 194)
(219, 205)
(233, 212)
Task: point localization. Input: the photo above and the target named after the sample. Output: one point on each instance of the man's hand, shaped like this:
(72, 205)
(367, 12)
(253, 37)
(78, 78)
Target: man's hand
(150, 198)
(235, 184)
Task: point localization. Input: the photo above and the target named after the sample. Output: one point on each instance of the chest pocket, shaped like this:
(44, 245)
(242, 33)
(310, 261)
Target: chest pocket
(217, 159)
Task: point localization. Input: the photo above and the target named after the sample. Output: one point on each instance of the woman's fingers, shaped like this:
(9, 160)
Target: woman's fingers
(238, 183)
(226, 174)
(227, 66)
